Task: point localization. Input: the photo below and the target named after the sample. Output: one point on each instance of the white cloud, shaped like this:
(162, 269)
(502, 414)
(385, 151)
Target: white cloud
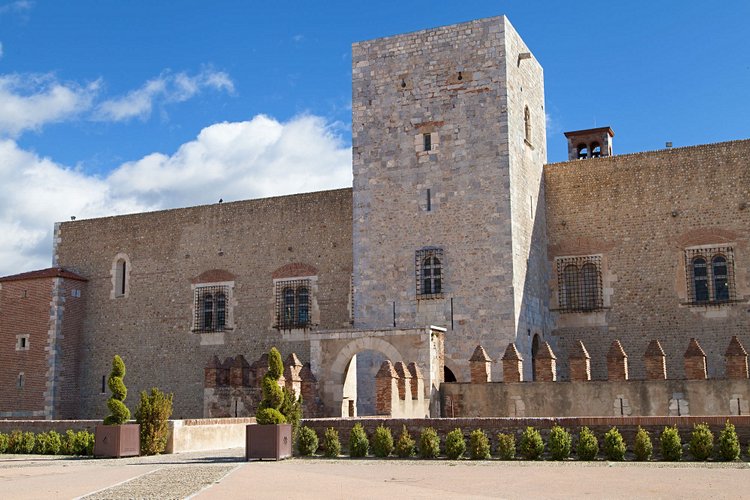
(166, 88)
(19, 6)
(27, 102)
(234, 161)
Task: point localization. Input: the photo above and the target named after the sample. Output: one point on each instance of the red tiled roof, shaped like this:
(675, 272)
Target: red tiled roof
(52, 272)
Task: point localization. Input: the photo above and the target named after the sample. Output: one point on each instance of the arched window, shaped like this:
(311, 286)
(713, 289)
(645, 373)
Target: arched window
(303, 306)
(596, 150)
(527, 123)
(721, 284)
(589, 287)
(208, 312)
(120, 272)
(221, 311)
(289, 316)
(583, 151)
(570, 287)
(700, 279)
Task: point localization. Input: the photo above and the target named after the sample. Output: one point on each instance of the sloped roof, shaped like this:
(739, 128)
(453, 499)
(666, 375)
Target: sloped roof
(51, 272)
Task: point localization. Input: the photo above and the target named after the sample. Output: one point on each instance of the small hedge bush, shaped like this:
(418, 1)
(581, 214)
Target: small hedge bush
(405, 444)
(21, 442)
(47, 443)
(701, 442)
(531, 445)
(729, 443)
(358, 443)
(479, 445)
(3, 443)
(455, 444)
(331, 444)
(382, 442)
(671, 444)
(588, 445)
(642, 447)
(614, 445)
(152, 413)
(307, 441)
(559, 443)
(429, 443)
(506, 446)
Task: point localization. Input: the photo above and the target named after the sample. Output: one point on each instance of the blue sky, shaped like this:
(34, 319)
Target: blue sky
(112, 107)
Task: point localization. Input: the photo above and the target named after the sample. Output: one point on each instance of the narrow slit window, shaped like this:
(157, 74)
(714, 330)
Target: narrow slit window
(427, 141)
(429, 201)
(527, 124)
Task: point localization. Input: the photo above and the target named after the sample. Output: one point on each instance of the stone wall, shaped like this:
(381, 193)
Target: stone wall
(246, 244)
(467, 87)
(640, 212)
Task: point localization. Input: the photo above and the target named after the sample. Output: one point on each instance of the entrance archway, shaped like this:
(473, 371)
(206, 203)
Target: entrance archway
(359, 395)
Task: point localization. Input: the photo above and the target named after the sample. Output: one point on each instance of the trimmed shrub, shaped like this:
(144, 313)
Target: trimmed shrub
(119, 413)
(642, 446)
(273, 397)
(701, 442)
(479, 445)
(506, 446)
(729, 443)
(3, 443)
(671, 444)
(358, 443)
(47, 443)
(77, 443)
(429, 443)
(405, 444)
(588, 445)
(614, 445)
(307, 441)
(559, 443)
(331, 444)
(21, 442)
(382, 442)
(455, 444)
(153, 414)
(291, 408)
(531, 445)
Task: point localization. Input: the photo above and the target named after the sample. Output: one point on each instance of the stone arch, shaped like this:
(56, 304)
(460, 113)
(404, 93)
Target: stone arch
(339, 365)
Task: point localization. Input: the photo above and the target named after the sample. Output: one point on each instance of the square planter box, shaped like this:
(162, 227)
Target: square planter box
(273, 442)
(117, 440)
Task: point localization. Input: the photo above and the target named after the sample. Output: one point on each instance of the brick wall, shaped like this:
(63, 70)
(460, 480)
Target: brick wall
(640, 212)
(150, 327)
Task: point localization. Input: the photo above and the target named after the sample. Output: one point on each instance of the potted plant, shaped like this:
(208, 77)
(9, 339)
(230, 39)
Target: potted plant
(115, 438)
(271, 436)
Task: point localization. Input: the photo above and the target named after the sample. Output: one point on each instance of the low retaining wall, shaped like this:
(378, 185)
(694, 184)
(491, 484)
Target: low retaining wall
(493, 425)
(184, 435)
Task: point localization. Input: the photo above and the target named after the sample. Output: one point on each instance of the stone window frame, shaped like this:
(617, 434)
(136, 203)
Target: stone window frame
(421, 272)
(420, 142)
(217, 322)
(579, 283)
(709, 254)
(120, 275)
(302, 290)
(23, 342)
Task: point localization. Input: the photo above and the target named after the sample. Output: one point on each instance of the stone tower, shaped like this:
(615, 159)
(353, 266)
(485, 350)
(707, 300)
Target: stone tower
(448, 133)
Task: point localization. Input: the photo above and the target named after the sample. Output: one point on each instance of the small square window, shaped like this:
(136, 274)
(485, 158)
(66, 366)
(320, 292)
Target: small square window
(22, 342)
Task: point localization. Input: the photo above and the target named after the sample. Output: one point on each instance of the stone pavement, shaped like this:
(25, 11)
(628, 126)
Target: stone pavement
(224, 474)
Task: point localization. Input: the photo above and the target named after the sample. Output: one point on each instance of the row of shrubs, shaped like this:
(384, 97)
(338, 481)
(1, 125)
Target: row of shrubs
(530, 447)
(47, 443)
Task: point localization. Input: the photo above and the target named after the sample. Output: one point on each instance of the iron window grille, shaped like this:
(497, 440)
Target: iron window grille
(210, 309)
(579, 283)
(293, 304)
(429, 273)
(710, 275)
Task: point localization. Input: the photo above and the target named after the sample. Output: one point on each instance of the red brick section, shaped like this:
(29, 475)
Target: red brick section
(580, 363)
(480, 365)
(213, 276)
(512, 364)
(695, 361)
(736, 360)
(385, 385)
(416, 375)
(295, 270)
(404, 379)
(493, 425)
(655, 361)
(545, 364)
(239, 372)
(617, 362)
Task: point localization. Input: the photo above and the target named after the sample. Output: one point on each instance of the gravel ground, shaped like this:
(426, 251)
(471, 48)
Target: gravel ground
(168, 482)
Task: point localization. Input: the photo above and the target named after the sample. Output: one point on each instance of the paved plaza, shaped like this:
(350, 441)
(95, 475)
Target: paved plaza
(224, 474)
